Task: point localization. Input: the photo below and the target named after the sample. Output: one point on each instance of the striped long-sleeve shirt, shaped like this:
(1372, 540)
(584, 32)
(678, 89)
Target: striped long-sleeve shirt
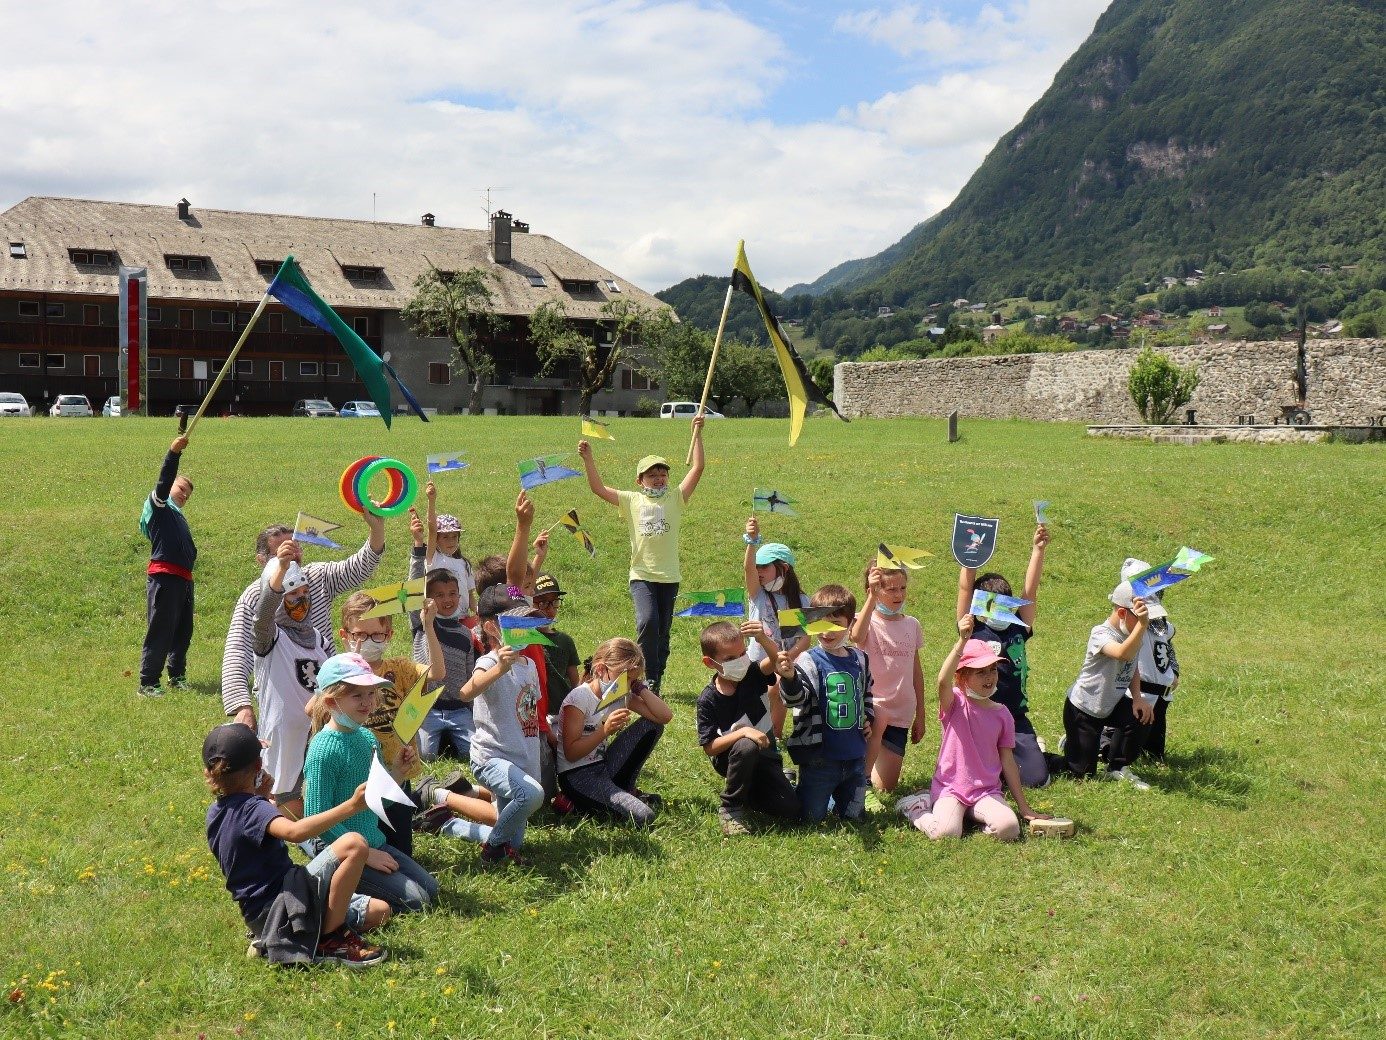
(459, 654)
(326, 581)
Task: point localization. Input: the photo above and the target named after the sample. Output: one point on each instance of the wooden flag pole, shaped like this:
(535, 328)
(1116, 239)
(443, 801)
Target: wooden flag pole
(716, 348)
(229, 364)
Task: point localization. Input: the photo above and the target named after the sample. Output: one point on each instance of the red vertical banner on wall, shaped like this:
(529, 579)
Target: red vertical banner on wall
(134, 340)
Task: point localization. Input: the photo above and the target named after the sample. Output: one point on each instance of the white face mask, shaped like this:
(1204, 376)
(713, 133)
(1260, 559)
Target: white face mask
(454, 615)
(371, 648)
(996, 626)
(654, 492)
(775, 584)
(735, 670)
(608, 686)
(833, 641)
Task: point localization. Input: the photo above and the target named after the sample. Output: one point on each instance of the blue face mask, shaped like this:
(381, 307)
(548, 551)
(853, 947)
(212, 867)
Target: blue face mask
(885, 611)
(608, 686)
(344, 720)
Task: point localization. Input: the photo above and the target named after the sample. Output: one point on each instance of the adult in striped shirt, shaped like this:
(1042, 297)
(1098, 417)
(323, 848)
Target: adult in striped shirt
(326, 581)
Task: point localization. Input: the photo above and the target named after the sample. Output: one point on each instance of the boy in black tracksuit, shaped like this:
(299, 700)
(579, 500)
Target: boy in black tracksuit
(170, 583)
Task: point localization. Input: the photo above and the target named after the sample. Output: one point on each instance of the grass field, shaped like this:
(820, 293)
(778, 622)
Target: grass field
(1241, 897)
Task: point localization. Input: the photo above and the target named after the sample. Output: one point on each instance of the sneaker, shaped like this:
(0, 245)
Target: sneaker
(254, 949)
(562, 804)
(181, 683)
(513, 855)
(733, 822)
(914, 806)
(1125, 773)
(792, 775)
(457, 783)
(1063, 742)
(431, 821)
(654, 801)
(492, 855)
(1039, 743)
(348, 949)
(152, 692)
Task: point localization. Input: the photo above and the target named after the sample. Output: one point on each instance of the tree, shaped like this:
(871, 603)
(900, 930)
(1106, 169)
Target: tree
(557, 340)
(821, 371)
(458, 307)
(749, 372)
(1159, 387)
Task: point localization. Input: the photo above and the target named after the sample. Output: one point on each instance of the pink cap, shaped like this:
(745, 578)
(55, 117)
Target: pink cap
(977, 654)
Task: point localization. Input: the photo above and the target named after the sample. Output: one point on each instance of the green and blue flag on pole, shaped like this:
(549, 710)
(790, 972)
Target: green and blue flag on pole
(291, 288)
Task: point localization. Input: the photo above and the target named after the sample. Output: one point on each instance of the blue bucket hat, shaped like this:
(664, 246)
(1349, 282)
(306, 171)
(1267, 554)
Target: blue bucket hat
(774, 552)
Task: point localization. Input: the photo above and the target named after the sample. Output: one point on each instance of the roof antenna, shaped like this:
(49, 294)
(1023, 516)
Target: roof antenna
(488, 190)
(372, 207)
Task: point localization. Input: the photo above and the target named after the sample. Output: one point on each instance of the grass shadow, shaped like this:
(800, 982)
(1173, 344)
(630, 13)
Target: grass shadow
(1215, 775)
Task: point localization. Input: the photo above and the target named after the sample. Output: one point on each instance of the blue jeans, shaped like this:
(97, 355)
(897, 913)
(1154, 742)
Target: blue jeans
(408, 888)
(517, 796)
(322, 869)
(842, 783)
(654, 616)
(454, 726)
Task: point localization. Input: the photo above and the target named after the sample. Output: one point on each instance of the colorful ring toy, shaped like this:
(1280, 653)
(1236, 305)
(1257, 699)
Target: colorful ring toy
(355, 483)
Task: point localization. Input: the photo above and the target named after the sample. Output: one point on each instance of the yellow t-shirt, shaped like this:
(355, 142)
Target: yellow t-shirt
(654, 534)
(403, 673)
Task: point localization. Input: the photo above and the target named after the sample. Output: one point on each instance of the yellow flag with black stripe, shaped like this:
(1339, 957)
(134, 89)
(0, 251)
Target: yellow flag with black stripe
(797, 381)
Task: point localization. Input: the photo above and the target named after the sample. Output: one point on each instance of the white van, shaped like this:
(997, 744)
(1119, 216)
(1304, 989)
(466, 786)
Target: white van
(685, 410)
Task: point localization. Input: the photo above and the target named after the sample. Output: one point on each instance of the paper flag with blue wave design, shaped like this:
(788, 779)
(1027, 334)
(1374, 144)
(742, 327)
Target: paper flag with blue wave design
(716, 603)
(995, 607)
(313, 530)
(447, 462)
(544, 470)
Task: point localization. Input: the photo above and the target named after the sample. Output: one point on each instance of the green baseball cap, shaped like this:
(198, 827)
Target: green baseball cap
(647, 463)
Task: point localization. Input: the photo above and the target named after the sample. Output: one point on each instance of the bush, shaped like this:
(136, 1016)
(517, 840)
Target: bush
(1159, 387)
(646, 408)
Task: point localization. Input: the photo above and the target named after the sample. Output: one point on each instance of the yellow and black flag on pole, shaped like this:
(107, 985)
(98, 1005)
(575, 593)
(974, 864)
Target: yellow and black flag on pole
(797, 381)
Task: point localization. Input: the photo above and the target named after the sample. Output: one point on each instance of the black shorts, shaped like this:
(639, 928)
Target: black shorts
(895, 738)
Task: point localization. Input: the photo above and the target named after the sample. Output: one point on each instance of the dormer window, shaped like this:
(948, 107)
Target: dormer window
(179, 264)
(268, 268)
(90, 257)
(18, 252)
(358, 273)
(579, 285)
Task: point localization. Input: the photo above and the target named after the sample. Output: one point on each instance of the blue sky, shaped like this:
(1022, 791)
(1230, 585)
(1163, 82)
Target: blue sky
(650, 135)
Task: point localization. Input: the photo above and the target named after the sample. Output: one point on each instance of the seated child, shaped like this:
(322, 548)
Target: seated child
(1158, 667)
(735, 727)
(1007, 640)
(339, 759)
(288, 651)
(298, 915)
(892, 641)
(974, 752)
(504, 693)
(600, 778)
(829, 694)
(1098, 698)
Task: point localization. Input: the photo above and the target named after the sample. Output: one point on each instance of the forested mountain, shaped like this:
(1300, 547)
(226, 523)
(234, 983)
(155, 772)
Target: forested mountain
(1182, 134)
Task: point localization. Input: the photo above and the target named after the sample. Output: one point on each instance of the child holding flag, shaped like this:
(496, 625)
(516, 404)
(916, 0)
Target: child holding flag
(1007, 640)
(613, 704)
(892, 640)
(653, 518)
(443, 551)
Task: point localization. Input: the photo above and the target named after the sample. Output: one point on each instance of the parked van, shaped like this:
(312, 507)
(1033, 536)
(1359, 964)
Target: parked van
(685, 410)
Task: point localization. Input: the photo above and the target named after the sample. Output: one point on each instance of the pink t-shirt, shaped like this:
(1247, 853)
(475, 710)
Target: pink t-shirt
(969, 753)
(892, 646)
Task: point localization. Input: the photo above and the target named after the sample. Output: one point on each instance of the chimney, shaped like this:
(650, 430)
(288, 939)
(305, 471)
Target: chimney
(427, 219)
(184, 209)
(520, 227)
(500, 237)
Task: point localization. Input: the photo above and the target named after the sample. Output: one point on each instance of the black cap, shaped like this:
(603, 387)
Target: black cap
(235, 745)
(547, 585)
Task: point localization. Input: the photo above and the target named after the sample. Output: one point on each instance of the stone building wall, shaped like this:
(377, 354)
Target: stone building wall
(1346, 384)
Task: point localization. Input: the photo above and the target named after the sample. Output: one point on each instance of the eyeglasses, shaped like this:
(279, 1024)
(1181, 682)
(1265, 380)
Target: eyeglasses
(546, 601)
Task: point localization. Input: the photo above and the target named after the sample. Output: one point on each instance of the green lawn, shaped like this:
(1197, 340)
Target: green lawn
(1242, 897)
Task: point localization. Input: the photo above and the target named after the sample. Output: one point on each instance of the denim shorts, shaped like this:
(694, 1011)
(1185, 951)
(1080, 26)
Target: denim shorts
(896, 738)
(321, 869)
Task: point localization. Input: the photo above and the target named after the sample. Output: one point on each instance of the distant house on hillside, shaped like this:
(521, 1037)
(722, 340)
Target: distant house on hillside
(1220, 329)
(884, 312)
(1068, 323)
(1215, 311)
(991, 332)
(959, 304)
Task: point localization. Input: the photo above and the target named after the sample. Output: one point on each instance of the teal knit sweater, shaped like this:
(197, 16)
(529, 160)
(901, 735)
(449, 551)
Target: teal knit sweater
(338, 762)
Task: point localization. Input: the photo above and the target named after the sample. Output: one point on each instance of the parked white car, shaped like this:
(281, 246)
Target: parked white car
(685, 410)
(14, 405)
(111, 409)
(71, 405)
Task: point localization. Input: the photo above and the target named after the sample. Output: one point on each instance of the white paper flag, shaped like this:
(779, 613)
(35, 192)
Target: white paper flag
(380, 788)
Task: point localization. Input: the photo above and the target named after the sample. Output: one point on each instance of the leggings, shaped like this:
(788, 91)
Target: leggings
(605, 788)
(946, 818)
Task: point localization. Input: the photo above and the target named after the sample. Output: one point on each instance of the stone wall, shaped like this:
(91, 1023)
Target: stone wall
(1346, 384)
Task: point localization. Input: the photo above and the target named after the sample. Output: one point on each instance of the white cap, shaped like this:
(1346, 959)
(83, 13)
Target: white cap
(294, 578)
(1132, 567)
(1123, 596)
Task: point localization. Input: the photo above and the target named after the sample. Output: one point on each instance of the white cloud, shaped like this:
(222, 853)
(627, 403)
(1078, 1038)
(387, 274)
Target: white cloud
(633, 130)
